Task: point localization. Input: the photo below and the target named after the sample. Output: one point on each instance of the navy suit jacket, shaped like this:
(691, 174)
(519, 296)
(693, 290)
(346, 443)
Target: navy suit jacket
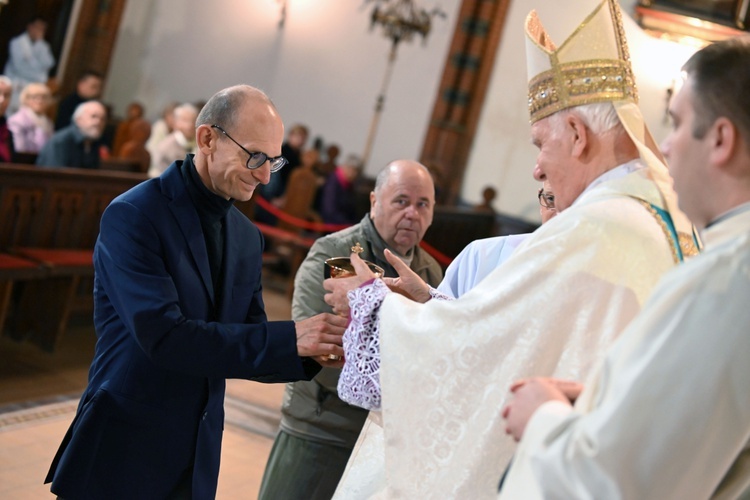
(153, 407)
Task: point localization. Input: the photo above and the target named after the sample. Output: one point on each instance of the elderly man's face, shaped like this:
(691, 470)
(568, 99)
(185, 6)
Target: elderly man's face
(555, 162)
(5, 92)
(91, 120)
(184, 121)
(402, 210)
(259, 130)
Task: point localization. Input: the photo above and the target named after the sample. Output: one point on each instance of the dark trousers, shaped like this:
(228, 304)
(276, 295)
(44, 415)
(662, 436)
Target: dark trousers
(300, 469)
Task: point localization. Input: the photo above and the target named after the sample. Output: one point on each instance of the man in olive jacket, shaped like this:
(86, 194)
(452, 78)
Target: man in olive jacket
(318, 430)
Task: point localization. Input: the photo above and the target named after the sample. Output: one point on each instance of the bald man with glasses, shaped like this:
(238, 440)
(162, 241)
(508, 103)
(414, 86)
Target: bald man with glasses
(179, 309)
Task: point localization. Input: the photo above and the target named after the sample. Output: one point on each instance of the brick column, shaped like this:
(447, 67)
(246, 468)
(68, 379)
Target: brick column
(94, 40)
(462, 91)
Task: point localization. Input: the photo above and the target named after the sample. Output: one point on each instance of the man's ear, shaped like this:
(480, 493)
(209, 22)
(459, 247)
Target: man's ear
(205, 139)
(372, 203)
(579, 134)
(724, 140)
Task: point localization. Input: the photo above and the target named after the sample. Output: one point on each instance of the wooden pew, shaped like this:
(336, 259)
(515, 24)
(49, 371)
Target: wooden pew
(455, 227)
(51, 216)
(121, 165)
(12, 269)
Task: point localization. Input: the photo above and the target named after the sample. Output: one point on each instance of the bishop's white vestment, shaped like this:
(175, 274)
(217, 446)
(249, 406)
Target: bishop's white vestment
(668, 414)
(553, 308)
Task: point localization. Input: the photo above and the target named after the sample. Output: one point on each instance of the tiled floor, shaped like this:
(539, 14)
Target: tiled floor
(30, 432)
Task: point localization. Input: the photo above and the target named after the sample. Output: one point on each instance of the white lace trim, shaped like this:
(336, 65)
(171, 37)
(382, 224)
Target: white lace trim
(438, 295)
(359, 383)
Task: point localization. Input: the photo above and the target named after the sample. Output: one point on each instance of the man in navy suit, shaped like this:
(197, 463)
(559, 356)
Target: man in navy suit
(178, 309)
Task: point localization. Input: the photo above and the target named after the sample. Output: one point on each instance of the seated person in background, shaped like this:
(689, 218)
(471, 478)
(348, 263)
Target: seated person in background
(327, 167)
(108, 135)
(177, 144)
(134, 148)
(293, 147)
(667, 416)
(78, 144)
(29, 58)
(30, 125)
(337, 200)
(489, 194)
(162, 127)
(275, 189)
(88, 87)
(6, 136)
(292, 150)
(122, 133)
(300, 192)
(318, 430)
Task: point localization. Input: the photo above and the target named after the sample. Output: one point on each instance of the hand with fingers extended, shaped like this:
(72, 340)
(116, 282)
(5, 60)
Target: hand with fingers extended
(528, 396)
(320, 336)
(338, 287)
(408, 283)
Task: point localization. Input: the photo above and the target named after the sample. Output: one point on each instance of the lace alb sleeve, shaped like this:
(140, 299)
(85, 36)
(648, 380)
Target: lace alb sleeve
(359, 383)
(438, 295)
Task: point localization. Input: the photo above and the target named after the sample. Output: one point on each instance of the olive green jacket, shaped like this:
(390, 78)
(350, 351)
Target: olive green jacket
(312, 409)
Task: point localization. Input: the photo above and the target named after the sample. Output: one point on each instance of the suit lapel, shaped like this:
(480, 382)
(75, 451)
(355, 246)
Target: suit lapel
(187, 218)
(232, 252)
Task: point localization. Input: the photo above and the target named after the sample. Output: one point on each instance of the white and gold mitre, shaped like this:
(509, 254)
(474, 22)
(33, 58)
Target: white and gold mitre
(592, 65)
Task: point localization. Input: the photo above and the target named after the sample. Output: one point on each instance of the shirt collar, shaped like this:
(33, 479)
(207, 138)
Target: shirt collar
(616, 173)
(745, 207)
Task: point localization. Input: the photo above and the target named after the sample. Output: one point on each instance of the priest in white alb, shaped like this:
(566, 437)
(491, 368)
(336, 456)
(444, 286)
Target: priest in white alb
(437, 374)
(668, 415)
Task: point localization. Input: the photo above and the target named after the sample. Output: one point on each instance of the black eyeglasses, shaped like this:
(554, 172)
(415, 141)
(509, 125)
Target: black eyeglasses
(547, 200)
(258, 158)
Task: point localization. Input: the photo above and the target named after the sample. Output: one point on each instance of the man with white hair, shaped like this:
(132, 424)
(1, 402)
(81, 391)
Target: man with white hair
(668, 414)
(177, 144)
(77, 145)
(439, 372)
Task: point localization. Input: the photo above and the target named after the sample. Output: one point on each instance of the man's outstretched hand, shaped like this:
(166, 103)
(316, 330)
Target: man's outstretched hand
(339, 287)
(408, 282)
(319, 336)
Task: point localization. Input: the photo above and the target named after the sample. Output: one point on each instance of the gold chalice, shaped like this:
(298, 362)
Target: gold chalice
(341, 267)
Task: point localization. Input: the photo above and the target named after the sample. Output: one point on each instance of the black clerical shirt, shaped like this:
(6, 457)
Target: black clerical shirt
(212, 211)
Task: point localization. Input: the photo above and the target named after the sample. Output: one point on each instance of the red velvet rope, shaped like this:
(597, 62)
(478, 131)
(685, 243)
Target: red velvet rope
(442, 259)
(296, 221)
(439, 256)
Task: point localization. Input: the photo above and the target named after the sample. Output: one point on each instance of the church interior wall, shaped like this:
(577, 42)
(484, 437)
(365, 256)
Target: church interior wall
(324, 68)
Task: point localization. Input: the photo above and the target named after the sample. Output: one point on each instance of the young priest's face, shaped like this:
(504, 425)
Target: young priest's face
(688, 156)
